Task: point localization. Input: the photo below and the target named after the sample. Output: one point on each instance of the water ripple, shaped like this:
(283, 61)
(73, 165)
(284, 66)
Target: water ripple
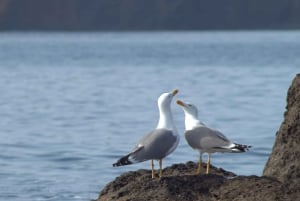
(76, 102)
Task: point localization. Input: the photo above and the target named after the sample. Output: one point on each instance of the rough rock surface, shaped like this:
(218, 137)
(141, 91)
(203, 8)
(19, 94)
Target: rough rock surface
(284, 161)
(180, 183)
(280, 180)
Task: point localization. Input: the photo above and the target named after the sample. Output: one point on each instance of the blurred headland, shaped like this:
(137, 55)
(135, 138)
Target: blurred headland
(149, 15)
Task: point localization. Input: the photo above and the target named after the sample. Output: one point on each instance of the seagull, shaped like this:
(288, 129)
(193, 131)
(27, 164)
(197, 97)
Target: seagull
(205, 139)
(158, 143)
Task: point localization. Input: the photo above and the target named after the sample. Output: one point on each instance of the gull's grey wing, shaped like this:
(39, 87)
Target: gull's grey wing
(155, 145)
(206, 138)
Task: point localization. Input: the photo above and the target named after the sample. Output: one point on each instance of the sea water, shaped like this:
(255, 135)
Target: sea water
(73, 103)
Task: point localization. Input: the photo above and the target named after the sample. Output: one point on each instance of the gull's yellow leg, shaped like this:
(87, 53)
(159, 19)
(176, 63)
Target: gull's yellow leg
(160, 168)
(152, 167)
(200, 164)
(208, 164)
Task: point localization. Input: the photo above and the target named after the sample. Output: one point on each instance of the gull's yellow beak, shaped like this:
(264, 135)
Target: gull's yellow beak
(175, 92)
(179, 102)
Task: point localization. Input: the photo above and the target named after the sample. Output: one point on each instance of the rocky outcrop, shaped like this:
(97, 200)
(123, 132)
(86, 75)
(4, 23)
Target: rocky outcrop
(181, 183)
(284, 161)
(280, 180)
(177, 183)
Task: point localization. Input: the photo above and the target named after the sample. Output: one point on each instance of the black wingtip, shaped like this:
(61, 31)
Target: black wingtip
(123, 161)
(242, 147)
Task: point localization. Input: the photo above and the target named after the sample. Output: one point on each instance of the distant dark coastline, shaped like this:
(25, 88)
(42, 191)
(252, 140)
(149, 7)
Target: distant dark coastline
(97, 15)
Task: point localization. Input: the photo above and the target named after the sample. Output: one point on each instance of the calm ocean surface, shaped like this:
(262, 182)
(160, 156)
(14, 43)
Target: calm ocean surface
(72, 103)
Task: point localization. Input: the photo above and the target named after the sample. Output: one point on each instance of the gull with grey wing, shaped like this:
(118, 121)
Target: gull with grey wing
(205, 139)
(160, 142)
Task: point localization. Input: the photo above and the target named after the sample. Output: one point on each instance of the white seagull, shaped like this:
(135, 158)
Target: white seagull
(205, 139)
(160, 142)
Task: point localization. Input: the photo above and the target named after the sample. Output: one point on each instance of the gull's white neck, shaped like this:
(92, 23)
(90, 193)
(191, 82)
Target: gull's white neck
(165, 119)
(191, 122)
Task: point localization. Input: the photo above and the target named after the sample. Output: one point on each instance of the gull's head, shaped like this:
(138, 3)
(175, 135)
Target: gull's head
(189, 109)
(165, 99)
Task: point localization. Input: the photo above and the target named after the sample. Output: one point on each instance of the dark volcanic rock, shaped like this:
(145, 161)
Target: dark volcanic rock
(280, 180)
(284, 162)
(181, 183)
(178, 183)
(251, 188)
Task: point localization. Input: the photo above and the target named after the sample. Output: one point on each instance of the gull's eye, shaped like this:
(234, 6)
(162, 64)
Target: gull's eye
(190, 105)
